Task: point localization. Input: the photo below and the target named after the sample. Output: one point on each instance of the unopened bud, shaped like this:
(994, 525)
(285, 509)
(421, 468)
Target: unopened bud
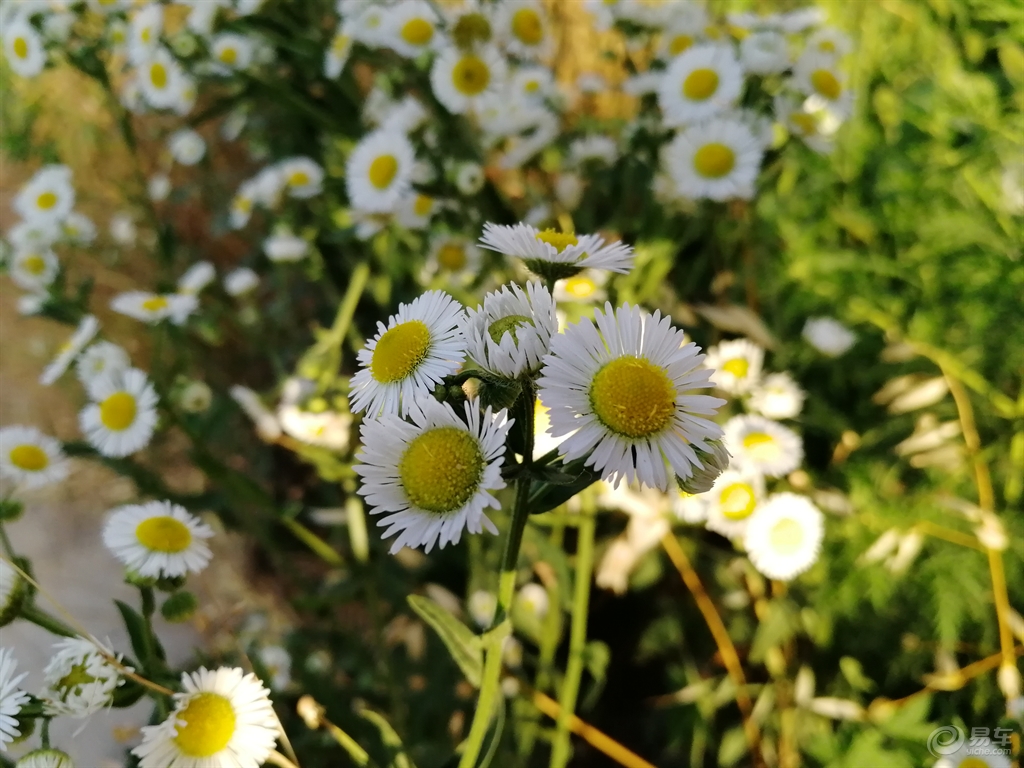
(51, 758)
(179, 607)
(714, 462)
(310, 711)
(1009, 681)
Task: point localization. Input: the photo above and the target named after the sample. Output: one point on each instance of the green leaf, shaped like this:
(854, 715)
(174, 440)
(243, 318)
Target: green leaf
(127, 694)
(391, 739)
(732, 747)
(464, 646)
(854, 674)
(137, 632)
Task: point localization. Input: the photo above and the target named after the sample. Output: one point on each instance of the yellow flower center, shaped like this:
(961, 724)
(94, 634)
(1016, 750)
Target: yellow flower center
(471, 75)
(46, 201)
(679, 43)
(158, 75)
(154, 304)
(827, 46)
(527, 26)
(560, 240)
(340, 43)
(452, 257)
(827, 84)
(146, 34)
(417, 31)
(633, 397)
(738, 367)
(34, 264)
(973, 762)
(712, 32)
(423, 205)
(580, 287)
(298, 179)
(73, 681)
(209, 723)
(163, 534)
(761, 446)
(441, 469)
(714, 160)
(20, 47)
(507, 324)
(28, 457)
(700, 84)
(243, 204)
(399, 351)
(531, 86)
(738, 501)
(382, 171)
(228, 55)
(806, 123)
(786, 536)
(117, 412)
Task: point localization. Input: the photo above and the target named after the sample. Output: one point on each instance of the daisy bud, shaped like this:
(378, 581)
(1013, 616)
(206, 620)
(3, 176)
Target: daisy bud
(45, 758)
(1009, 681)
(715, 462)
(179, 607)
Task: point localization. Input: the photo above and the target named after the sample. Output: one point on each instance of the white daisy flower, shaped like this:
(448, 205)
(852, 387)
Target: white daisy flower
(647, 13)
(784, 538)
(433, 477)
(162, 80)
(144, 29)
(231, 52)
(460, 79)
(455, 257)
(34, 270)
(690, 508)
(522, 27)
(69, 350)
(302, 177)
(369, 25)
(625, 384)
(817, 75)
(285, 247)
(420, 345)
(278, 663)
(12, 698)
(815, 127)
(764, 53)
(78, 228)
(266, 423)
(30, 458)
(411, 28)
(718, 159)
(223, 718)
(45, 758)
(122, 416)
(601, 149)
(686, 27)
(378, 172)
(158, 187)
(23, 48)
(100, 359)
(762, 445)
(48, 196)
(569, 190)
(337, 54)
(122, 229)
(976, 752)
(701, 82)
(830, 41)
(510, 333)
(242, 204)
(196, 278)
(241, 281)
(234, 124)
(714, 462)
(415, 210)
(153, 307)
(186, 146)
(828, 336)
(777, 397)
(556, 254)
(469, 178)
(79, 681)
(736, 365)
(533, 83)
(34, 235)
(800, 19)
(732, 501)
(586, 287)
(158, 539)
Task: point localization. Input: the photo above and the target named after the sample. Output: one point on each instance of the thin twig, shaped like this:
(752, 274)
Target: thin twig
(721, 637)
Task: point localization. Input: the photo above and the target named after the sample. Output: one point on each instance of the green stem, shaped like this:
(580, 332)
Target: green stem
(577, 635)
(41, 618)
(491, 683)
(5, 542)
(148, 608)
